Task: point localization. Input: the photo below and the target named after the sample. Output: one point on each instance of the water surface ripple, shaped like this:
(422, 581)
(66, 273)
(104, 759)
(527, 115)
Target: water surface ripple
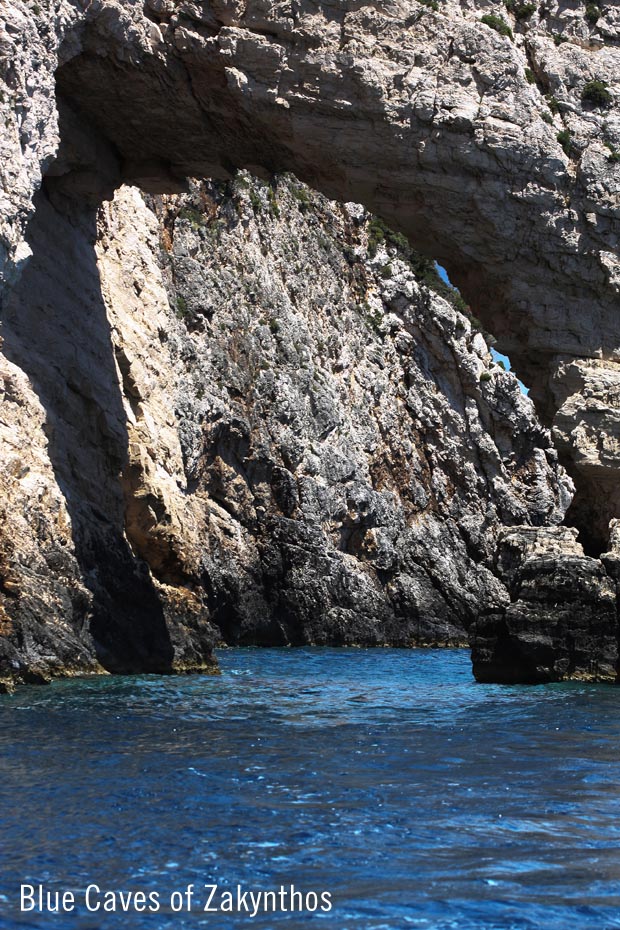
(389, 778)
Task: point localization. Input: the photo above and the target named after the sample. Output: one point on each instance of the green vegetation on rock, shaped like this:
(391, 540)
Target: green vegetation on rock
(564, 138)
(423, 268)
(520, 10)
(552, 103)
(498, 24)
(614, 156)
(596, 93)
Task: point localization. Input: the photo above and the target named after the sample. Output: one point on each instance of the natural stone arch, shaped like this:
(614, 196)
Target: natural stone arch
(429, 118)
(437, 129)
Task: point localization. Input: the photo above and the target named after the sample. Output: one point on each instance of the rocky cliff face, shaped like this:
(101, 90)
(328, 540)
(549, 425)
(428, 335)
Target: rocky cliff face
(258, 425)
(492, 143)
(487, 132)
(74, 596)
(562, 618)
(347, 442)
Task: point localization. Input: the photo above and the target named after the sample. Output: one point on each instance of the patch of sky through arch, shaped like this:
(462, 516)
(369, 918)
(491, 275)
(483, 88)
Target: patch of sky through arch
(496, 356)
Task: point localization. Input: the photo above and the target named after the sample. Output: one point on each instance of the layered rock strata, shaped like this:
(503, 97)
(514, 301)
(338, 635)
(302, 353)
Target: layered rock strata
(562, 619)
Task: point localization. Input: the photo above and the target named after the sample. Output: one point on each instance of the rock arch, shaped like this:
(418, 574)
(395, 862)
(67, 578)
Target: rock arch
(432, 119)
(479, 146)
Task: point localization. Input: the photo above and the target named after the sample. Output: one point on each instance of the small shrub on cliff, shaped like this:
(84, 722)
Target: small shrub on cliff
(552, 103)
(530, 76)
(423, 268)
(593, 13)
(547, 117)
(520, 10)
(498, 24)
(475, 323)
(564, 138)
(433, 4)
(379, 233)
(257, 203)
(485, 376)
(182, 308)
(374, 319)
(559, 39)
(301, 196)
(195, 218)
(596, 93)
(274, 209)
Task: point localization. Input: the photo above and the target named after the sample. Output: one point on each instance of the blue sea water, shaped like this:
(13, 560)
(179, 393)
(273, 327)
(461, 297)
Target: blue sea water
(387, 778)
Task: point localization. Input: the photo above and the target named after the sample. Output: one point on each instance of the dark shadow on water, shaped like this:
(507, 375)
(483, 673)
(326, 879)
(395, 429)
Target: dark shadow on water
(55, 328)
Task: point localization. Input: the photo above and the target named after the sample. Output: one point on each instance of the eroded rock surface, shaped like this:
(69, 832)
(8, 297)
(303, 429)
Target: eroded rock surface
(42, 594)
(349, 450)
(562, 620)
(74, 596)
(257, 421)
(496, 152)
(485, 148)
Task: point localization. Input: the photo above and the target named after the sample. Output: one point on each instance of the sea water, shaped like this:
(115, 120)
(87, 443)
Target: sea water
(386, 779)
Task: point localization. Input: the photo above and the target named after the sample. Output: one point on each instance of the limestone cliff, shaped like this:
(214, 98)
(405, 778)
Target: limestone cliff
(73, 595)
(257, 417)
(487, 132)
(350, 448)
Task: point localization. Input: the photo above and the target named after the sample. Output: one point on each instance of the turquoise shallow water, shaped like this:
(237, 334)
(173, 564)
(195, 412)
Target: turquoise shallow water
(387, 778)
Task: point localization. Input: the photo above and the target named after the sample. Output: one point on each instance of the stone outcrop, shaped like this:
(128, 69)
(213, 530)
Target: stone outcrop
(562, 619)
(350, 448)
(74, 596)
(494, 145)
(41, 588)
(586, 428)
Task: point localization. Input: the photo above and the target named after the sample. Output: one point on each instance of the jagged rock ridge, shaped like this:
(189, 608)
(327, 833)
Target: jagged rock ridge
(485, 148)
